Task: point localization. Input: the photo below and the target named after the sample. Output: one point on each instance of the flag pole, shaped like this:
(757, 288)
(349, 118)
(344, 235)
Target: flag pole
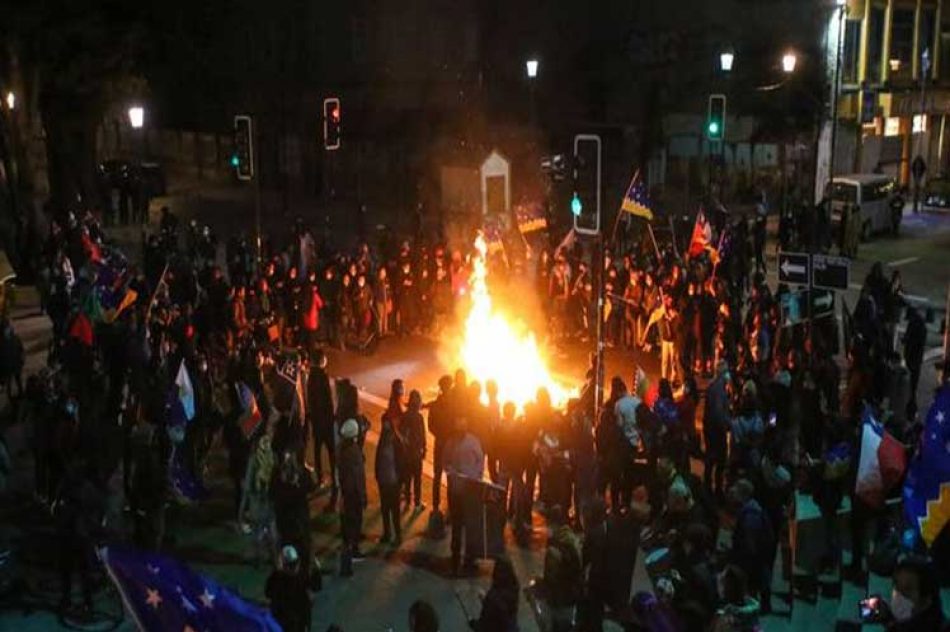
(620, 212)
(722, 236)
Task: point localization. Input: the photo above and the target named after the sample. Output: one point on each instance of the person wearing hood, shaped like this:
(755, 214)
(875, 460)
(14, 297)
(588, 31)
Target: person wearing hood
(353, 489)
(753, 541)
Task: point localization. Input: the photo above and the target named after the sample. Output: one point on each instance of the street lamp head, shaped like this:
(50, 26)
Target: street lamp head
(11, 101)
(136, 116)
(532, 67)
(789, 61)
(725, 61)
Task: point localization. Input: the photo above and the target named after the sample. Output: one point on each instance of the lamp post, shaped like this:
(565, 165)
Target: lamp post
(726, 59)
(789, 61)
(531, 69)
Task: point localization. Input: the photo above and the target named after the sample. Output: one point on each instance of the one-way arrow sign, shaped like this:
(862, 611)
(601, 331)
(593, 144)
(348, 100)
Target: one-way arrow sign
(793, 268)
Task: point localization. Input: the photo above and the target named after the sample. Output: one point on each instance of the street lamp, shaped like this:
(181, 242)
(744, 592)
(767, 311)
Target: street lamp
(136, 116)
(725, 61)
(531, 66)
(11, 101)
(789, 60)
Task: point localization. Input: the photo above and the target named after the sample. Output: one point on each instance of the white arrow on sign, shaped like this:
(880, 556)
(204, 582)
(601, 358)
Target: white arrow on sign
(824, 301)
(789, 267)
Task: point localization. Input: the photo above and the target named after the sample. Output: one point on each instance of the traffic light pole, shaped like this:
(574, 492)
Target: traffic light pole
(598, 268)
(258, 197)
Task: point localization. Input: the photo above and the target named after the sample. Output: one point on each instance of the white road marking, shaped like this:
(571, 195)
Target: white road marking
(902, 262)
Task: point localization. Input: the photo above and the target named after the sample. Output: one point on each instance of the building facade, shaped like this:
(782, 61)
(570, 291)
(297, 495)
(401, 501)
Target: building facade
(895, 86)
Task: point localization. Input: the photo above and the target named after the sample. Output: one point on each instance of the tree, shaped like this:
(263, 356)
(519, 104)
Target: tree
(76, 58)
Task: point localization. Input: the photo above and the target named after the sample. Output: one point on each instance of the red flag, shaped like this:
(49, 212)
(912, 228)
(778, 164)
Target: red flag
(81, 329)
(702, 235)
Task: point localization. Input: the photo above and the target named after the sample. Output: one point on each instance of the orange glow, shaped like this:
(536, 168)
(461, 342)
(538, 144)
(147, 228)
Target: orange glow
(496, 346)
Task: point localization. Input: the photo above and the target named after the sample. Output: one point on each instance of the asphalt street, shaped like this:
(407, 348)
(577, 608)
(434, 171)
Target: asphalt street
(379, 594)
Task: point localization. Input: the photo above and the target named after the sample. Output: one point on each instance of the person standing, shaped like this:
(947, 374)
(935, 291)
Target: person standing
(388, 466)
(353, 489)
(716, 424)
(440, 427)
(915, 339)
(753, 541)
(288, 594)
(465, 463)
(413, 432)
(320, 410)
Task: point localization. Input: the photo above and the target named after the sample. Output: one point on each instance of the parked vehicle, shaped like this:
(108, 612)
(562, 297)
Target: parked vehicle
(936, 195)
(877, 198)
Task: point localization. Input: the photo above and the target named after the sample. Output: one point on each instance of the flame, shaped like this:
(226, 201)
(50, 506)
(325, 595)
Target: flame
(496, 347)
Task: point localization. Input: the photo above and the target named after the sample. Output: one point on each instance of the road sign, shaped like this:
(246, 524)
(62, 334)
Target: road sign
(822, 303)
(830, 273)
(793, 268)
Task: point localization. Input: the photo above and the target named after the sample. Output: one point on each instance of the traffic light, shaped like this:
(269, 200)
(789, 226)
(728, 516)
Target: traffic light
(585, 202)
(716, 117)
(332, 123)
(243, 157)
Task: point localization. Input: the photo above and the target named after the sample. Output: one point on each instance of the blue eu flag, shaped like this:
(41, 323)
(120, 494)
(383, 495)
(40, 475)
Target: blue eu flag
(927, 487)
(162, 594)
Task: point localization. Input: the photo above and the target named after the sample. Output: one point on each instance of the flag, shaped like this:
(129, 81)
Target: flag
(128, 298)
(81, 329)
(289, 391)
(161, 593)
(185, 485)
(702, 236)
(250, 418)
(636, 200)
(186, 393)
(566, 244)
(927, 488)
(881, 463)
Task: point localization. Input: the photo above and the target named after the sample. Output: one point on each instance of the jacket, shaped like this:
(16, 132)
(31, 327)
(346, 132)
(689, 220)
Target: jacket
(352, 472)
(389, 458)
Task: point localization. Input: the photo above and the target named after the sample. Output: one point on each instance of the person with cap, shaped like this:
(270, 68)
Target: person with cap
(288, 593)
(353, 489)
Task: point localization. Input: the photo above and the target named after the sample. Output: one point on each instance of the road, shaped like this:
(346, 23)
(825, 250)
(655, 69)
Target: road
(383, 587)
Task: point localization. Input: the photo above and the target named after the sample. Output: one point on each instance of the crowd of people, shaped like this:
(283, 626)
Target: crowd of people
(750, 396)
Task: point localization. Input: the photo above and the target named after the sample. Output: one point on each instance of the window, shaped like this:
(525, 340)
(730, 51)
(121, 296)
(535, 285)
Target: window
(928, 27)
(892, 126)
(875, 45)
(844, 192)
(851, 51)
(902, 44)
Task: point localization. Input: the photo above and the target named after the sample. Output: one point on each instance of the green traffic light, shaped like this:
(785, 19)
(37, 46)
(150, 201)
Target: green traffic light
(235, 161)
(713, 128)
(576, 206)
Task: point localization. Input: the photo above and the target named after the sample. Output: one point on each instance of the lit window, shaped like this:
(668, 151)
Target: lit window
(892, 126)
(920, 123)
